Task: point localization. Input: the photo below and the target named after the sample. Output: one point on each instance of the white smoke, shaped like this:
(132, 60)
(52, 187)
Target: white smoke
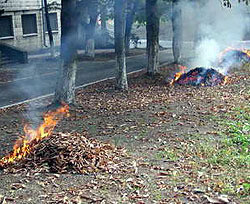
(217, 28)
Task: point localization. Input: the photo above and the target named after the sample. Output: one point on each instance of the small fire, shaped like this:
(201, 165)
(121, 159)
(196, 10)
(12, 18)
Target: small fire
(222, 53)
(247, 52)
(225, 81)
(24, 145)
(231, 49)
(178, 74)
(200, 76)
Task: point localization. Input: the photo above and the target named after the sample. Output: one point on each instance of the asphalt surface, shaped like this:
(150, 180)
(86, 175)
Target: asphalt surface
(20, 90)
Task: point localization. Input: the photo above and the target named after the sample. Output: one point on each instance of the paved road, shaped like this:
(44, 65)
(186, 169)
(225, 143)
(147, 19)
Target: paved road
(88, 72)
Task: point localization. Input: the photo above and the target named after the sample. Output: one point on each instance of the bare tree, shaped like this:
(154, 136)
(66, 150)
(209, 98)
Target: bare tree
(152, 27)
(121, 76)
(131, 10)
(65, 88)
(104, 17)
(177, 30)
(51, 40)
(82, 19)
(90, 31)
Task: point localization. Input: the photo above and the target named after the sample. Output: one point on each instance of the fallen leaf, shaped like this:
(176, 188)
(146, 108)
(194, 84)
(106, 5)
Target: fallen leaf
(219, 200)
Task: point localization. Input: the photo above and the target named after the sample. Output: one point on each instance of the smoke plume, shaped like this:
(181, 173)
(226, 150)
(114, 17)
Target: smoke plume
(216, 28)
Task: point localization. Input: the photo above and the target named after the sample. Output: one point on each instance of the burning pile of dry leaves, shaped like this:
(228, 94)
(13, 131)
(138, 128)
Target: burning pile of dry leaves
(174, 134)
(67, 152)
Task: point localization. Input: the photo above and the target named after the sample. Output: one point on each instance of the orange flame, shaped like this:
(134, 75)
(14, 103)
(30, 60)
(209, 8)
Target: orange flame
(24, 145)
(225, 81)
(221, 54)
(247, 52)
(178, 74)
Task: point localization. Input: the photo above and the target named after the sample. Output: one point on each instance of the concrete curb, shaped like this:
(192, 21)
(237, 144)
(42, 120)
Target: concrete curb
(78, 87)
(51, 94)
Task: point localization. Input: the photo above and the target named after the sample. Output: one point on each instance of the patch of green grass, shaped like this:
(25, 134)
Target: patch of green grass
(157, 195)
(226, 155)
(167, 154)
(141, 134)
(233, 150)
(246, 187)
(230, 153)
(238, 135)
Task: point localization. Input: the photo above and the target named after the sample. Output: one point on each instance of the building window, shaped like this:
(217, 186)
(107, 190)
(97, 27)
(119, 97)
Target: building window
(29, 24)
(53, 22)
(6, 26)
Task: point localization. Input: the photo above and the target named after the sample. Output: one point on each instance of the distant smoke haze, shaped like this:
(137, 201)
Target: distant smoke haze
(216, 28)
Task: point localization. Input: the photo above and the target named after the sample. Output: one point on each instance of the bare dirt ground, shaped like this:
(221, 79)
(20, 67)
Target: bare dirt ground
(177, 140)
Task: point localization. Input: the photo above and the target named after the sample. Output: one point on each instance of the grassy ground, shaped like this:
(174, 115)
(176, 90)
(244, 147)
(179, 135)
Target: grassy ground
(187, 144)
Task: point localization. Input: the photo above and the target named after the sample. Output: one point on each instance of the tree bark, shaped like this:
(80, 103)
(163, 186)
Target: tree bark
(104, 17)
(65, 88)
(1, 11)
(90, 41)
(177, 30)
(82, 18)
(51, 40)
(152, 28)
(121, 76)
(131, 9)
(0, 59)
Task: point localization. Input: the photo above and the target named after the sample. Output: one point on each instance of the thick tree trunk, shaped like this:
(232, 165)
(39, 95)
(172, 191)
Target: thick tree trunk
(51, 40)
(104, 29)
(1, 11)
(65, 88)
(104, 17)
(90, 41)
(121, 76)
(131, 9)
(177, 30)
(197, 35)
(82, 18)
(152, 28)
(0, 59)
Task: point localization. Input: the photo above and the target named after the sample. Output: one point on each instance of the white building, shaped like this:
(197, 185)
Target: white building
(23, 24)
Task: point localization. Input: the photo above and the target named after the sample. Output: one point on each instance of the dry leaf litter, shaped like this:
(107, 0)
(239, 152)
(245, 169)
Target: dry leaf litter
(72, 153)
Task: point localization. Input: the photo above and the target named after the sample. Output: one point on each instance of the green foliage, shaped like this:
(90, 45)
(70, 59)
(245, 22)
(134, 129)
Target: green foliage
(167, 154)
(246, 187)
(238, 131)
(233, 150)
(236, 145)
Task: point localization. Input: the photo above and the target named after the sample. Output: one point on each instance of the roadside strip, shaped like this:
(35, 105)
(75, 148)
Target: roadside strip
(78, 87)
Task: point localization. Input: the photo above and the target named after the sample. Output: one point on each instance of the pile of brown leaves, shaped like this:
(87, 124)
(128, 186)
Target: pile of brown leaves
(74, 153)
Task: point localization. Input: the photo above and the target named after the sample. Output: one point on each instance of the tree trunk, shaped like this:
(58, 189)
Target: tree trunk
(65, 88)
(82, 18)
(0, 58)
(104, 18)
(197, 35)
(1, 10)
(131, 9)
(51, 40)
(152, 28)
(121, 76)
(177, 30)
(104, 30)
(90, 41)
